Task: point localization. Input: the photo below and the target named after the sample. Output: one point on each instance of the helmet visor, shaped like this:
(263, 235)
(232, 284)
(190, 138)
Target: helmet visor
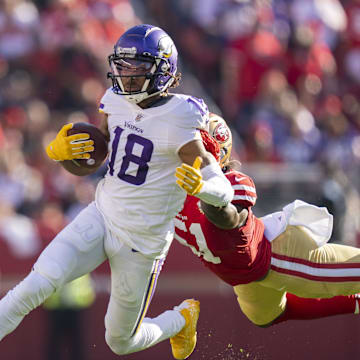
(130, 67)
(132, 74)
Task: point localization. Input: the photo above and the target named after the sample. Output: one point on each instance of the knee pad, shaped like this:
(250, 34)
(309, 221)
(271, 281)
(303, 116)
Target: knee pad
(70, 253)
(56, 262)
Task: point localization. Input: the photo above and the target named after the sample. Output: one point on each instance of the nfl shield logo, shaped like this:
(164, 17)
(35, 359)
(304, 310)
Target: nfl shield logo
(139, 117)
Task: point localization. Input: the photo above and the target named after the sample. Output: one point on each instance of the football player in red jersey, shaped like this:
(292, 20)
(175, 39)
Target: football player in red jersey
(280, 266)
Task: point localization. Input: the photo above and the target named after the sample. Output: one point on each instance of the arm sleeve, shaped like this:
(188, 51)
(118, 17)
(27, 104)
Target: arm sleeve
(217, 190)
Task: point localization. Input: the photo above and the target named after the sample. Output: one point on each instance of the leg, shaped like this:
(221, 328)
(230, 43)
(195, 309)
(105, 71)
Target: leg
(75, 251)
(306, 309)
(300, 267)
(265, 306)
(18, 302)
(260, 304)
(133, 281)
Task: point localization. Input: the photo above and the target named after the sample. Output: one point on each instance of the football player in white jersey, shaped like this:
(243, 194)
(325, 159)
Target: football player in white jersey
(150, 133)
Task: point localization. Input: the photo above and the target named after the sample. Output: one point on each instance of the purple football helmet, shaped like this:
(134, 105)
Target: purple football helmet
(143, 52)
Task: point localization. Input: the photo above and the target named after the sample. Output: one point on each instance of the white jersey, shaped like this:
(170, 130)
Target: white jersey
(138, 196)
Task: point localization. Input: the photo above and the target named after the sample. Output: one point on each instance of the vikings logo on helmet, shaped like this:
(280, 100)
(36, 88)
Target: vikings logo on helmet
(165, 46)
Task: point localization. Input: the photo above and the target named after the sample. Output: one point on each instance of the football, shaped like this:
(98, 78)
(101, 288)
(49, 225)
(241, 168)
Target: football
(82, 167)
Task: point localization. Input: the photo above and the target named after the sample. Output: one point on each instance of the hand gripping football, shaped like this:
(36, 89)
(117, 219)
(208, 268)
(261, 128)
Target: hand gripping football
(83, 167)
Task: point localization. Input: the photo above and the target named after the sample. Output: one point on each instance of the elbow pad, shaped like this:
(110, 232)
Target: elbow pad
(216, 189)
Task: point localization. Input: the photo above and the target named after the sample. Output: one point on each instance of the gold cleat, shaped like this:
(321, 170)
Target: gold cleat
(184, 342)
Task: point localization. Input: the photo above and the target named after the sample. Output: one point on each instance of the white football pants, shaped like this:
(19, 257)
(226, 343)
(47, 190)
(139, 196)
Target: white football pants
(77, 250)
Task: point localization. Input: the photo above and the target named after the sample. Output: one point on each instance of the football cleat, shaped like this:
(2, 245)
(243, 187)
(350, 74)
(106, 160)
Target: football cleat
(184, 342)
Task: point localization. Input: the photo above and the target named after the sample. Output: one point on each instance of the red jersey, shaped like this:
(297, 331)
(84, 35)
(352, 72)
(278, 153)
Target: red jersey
(237, 256)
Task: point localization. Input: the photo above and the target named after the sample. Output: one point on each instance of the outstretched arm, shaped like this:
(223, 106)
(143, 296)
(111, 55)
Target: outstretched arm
(227, 217)
(209, 184)
(223, 215)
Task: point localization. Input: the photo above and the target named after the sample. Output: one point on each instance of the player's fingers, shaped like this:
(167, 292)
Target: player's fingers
(182, 185)
(89, 148)
(79, 144)
(180, 171)
(65, 128)
(189, 189)
(78, 137)
(83, 150)
(186, 182)
(197, 163)
(187, 171)
(190, 169)
(82, 156)
(182, 174)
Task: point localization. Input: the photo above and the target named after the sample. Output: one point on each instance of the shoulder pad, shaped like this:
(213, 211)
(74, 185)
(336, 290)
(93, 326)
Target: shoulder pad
(194, 112)
(110, 101)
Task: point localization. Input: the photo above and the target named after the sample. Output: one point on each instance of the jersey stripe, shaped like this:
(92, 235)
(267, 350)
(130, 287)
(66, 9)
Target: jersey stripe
(149, 293)
(316, 265)
(251, 199)
(317, 272)
(244, 187)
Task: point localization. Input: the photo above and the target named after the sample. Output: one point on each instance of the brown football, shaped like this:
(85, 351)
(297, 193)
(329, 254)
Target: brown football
(82, 167)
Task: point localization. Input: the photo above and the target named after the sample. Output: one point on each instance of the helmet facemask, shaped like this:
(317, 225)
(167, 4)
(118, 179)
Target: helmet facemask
(131, 76)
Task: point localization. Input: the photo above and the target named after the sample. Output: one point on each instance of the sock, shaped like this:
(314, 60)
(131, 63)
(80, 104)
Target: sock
(298, 308)
(151, 332)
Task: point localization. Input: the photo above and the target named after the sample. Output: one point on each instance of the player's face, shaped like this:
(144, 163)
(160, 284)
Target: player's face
(133, 73)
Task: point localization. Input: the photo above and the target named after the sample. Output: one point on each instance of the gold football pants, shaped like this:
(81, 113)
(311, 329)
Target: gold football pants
(299, 266)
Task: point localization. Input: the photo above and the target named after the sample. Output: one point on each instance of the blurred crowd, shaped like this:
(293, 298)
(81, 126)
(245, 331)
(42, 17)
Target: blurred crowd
(53, 66)
(285, 74)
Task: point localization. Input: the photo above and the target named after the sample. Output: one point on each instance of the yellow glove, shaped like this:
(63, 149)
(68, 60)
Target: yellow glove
(189, 177)
(71, 147)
